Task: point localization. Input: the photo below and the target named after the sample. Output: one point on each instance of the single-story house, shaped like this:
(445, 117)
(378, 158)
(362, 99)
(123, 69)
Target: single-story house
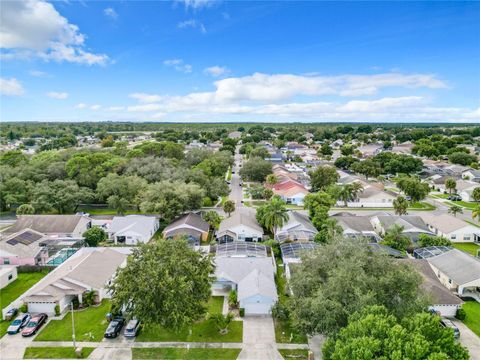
(356, 226)
(297, 228)
(291, 192)
(413, 226)
(252, 277)
(240, 226)
(25, 247)
(235, 135)
(89, 269)
(132, 229)
(457, 271)
(189, 225)
(472, 175)
(53, 226)
(369, 150)
(8, 274)
(373, 196)
(454, 229)
(443, 302)
(403, 148)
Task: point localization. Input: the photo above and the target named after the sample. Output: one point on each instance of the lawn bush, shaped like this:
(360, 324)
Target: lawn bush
(461, 314)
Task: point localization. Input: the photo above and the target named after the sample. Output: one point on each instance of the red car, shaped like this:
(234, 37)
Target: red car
(34, 324)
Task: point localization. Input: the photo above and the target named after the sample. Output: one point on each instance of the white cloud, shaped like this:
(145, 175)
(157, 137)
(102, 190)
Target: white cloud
(38, 73)
(178, 65)
(115, 108)
(144, 108)
(198, 4)
(194, 24)
(95, 107)
(110, 12)
(57, 95)
(216, 70)
(11, 87)
(81, 106)
(145, 98)
(33, 28)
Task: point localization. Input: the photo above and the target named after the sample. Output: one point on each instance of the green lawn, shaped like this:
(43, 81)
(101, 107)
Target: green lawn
(468, 247)
(421, 206)
(90, 324)
(284, 333)
(202, 331)
(52, 352)
(23, 282)
(465, 204)
(185, 354)
(472, 308)
(297, 354)
(215, 305)
(3, 327)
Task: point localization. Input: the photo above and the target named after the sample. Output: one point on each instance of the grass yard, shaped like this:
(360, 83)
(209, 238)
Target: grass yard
(297, 354)
(284, 333)
(23, 282)
(465, 204)
(185, 354)
(52, 352)
(467, 247)
(3, 327)
(202, 331)
(472, 308)
(421, 206)
(215, 305)
(90, 324)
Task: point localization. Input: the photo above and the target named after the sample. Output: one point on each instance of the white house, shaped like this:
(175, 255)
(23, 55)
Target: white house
(8, 274)
(297, 228)
(240, 226)
(413, 226)
(472, 175)
(252, 277)
(89, 269)
(132, 229)
(457, 271)
(454, 229)
(443, 302)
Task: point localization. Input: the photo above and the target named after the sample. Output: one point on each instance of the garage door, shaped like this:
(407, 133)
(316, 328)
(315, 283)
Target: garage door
(48, 308)
(257, 309)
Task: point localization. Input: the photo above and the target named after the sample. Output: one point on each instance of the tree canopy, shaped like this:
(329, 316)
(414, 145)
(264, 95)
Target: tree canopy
(165, 282)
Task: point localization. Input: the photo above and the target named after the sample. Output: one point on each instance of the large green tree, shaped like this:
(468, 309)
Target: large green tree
(395, 238)
(165, 282)
(373, 333)
(400, 205)
(171, 198)
(94, 235)
(60, 195)
(322, 177)
(342, 277)
(119, 191)
(413, 187)
(256, 169)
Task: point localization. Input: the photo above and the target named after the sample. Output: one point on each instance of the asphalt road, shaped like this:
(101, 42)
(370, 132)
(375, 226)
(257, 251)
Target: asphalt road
(236, 194)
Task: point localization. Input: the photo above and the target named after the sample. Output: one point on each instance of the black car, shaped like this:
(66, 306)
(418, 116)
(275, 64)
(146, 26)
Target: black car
(114, 327)
(455, 198)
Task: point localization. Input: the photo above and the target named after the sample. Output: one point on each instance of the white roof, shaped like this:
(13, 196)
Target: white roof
(444, 222)
(133, 225)
(459, 266)
(253, 275)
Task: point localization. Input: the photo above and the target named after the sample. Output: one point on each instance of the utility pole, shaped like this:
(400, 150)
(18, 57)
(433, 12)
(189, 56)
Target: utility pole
(73, 327)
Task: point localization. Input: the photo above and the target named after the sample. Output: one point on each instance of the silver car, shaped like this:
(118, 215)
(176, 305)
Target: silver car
(17, 324)
(132, 328)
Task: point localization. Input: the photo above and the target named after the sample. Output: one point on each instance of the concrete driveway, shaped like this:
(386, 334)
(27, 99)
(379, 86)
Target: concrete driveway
(12, 347)
(469, 339)
(259, 339)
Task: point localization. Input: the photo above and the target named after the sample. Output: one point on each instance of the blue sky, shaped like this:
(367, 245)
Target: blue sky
(202, 60)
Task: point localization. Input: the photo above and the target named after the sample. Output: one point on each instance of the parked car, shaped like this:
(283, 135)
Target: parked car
(11, 314)
(132, 328)
(114, 327)
(18, 323)
(34, 324)
(449, 324)
(455, 198)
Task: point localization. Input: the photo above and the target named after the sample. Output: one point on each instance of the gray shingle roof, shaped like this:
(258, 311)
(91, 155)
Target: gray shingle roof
(356, 223)
(457, 265)
(46, 224)
(240, 217)
(190, 219)
(409, 222)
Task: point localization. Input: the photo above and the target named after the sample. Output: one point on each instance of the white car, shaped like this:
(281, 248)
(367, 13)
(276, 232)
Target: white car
(17, 324)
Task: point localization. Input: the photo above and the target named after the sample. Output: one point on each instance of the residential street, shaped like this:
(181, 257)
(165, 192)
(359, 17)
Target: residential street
(236, 194)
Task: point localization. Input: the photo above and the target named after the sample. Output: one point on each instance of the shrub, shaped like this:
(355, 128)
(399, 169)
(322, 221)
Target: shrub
(461, 314)
(57, 310)
(24, 308)
(207, 202)
(232, 299)
(242, 312)
(75, 302)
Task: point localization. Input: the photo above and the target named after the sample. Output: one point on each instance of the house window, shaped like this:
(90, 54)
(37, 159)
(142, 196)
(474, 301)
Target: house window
(10, 277)
(449, 281)
(453, 237)
(466, 238)
(6, 261)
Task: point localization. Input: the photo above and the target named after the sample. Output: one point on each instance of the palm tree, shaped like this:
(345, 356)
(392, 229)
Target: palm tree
(349, 192)
(400, 205)
(222, 322)
(455, 209)
(476, 213)
(450, 185)
(229, 207)
(272, 179)
(275, 214)
(394, 238)
(357, 188)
